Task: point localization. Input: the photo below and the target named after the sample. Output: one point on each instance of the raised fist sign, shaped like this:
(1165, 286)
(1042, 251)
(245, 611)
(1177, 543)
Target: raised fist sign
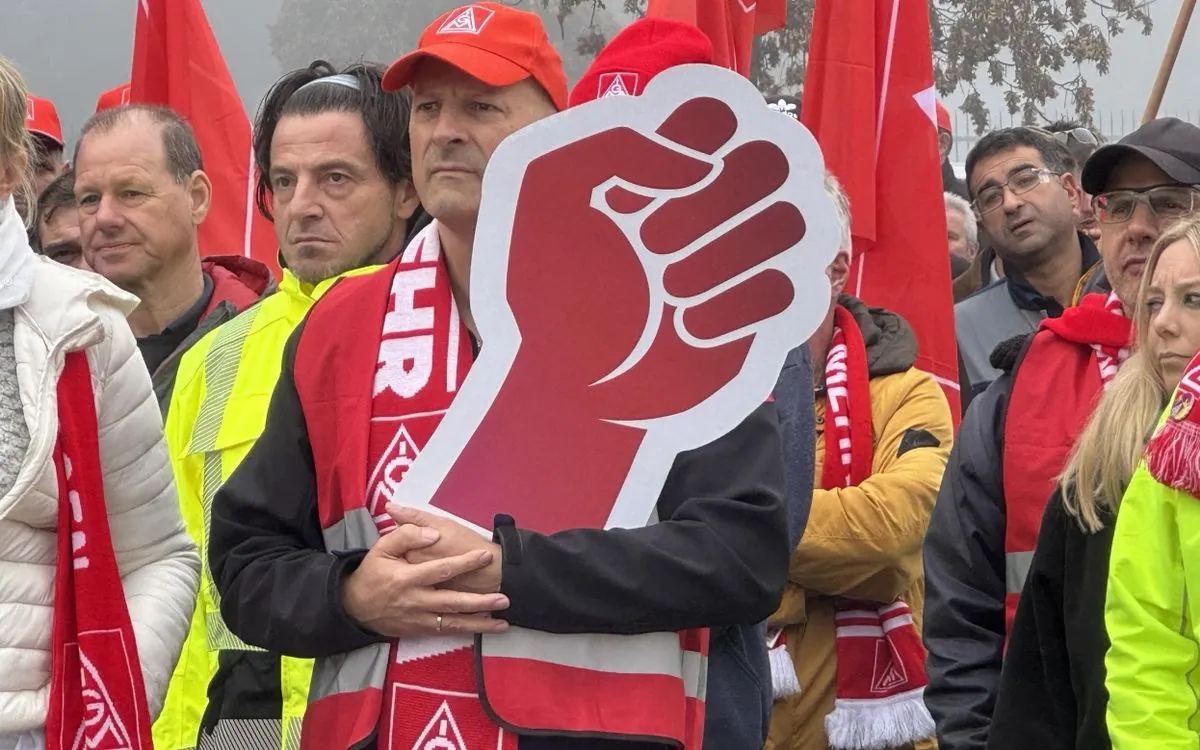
(641, 268)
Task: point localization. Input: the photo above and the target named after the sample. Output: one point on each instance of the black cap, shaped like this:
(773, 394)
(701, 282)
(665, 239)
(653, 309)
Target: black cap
(1173, 145)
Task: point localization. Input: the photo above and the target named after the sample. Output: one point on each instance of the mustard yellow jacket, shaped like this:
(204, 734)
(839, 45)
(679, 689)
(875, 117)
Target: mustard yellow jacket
(862, 542)
(218, 410)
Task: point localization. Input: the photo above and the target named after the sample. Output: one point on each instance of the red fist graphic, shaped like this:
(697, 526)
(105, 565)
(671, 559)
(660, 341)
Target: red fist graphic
(636, 288)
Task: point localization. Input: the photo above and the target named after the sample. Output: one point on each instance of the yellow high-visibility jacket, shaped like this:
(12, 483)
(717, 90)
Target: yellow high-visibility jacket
(1152, 615)
(217, 412)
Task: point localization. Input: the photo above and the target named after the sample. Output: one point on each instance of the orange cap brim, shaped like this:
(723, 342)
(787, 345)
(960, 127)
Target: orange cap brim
(480, 64)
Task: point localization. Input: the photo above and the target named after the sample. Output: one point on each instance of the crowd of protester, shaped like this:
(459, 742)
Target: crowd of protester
(867, 578)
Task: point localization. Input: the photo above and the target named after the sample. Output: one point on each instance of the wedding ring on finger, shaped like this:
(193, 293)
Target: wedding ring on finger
(439, 623)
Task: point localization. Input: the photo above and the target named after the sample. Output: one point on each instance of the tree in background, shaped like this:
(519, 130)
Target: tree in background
(1033, 50)
(1020, 46)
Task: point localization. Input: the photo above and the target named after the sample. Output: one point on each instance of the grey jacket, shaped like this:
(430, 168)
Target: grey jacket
(739, 673)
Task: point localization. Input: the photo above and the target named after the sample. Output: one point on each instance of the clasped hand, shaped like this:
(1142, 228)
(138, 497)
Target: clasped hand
(429, 576)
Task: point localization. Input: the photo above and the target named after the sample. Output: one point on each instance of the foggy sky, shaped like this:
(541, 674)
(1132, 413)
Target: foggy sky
(72, 50)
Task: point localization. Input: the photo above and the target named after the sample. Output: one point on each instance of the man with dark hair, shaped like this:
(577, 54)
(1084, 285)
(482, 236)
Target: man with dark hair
(48, 143)
(1024, 189)
(45, 155)
(336, 178)
(1082, 143)
(142, 195)
(57, 227)
(1013, 445)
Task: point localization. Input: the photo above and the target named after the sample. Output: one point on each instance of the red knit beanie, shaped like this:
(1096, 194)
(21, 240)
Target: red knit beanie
(641, 51)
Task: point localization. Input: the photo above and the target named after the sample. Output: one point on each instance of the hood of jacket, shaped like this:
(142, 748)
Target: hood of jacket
(237, 280)
(891, 343)
(16, 258)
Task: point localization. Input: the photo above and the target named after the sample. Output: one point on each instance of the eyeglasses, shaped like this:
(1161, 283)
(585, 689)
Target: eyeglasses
(1018, 183)
(1164, 201)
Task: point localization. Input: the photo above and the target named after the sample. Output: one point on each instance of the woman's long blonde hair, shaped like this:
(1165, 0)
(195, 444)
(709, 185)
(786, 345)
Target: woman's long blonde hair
(1110, 447)
(14, 137)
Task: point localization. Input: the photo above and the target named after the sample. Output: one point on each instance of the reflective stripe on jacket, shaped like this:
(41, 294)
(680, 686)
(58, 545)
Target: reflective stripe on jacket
(217, 411)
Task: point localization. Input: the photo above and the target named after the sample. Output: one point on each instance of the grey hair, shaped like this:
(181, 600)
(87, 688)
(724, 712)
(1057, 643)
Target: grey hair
(971, 226)
(841, 204)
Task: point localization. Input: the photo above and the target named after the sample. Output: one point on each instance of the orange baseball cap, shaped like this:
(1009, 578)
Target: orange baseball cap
(113, 98)
(493, 43)
(41, 118)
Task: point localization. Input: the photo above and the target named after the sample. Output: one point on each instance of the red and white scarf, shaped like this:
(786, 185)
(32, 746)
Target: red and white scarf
(1173, 453)
(97, 697)
(1108, 355)
(880, 660)
(430, 698)
(1098, 321)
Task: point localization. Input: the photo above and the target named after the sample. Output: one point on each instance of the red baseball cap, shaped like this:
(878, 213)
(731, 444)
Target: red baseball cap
(493, 43)
(943, 118)
(641, 51)
(41, 118)
(113, 98)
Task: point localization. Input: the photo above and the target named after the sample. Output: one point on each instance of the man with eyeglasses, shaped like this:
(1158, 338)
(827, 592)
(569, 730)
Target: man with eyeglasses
(1082, 143)
(1014, 442)
(1024, 192)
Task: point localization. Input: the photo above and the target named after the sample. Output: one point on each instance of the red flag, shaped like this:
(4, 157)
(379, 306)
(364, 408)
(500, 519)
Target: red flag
(177, 63)
(732, 25)
(869, 100)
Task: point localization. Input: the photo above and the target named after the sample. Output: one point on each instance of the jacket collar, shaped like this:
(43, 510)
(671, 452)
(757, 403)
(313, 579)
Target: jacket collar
(308, 294)
(1025, 297)
(16, 258)
(236, 280)
(890, 341)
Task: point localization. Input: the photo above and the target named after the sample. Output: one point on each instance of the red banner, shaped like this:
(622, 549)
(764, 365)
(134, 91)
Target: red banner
(869, 100)
(732, 25)
(177, 63)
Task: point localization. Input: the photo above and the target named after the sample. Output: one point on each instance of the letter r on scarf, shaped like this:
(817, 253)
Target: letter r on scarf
(404, 365)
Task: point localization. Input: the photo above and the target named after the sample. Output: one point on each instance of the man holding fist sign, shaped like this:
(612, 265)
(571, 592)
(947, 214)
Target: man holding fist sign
(632, 284)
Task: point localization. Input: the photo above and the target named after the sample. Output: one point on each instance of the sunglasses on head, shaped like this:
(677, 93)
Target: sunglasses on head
(1081, 135)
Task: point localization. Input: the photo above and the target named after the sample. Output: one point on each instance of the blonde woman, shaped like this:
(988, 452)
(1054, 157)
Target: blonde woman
(97, 576)
(1052, 692)
(1153, 608)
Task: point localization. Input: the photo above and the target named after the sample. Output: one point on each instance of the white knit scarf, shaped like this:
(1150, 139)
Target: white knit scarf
(16, 258)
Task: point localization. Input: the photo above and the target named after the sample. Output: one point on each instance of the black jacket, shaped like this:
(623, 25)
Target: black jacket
(965, 578)
(718, 559)
(1052, 694)
(951, 183)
